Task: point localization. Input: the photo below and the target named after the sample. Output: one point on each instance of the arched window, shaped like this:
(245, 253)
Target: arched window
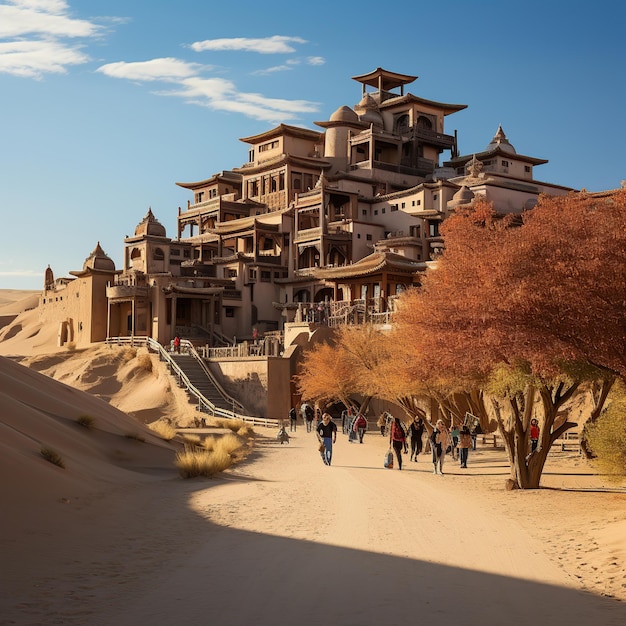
(424, 122)
(158, 254)
(402, 124)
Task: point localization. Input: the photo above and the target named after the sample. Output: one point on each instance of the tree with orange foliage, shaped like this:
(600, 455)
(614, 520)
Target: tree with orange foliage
(336, 370)
(534, 310)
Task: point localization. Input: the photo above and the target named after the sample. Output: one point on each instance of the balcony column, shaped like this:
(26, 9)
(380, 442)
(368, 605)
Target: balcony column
(173, 314)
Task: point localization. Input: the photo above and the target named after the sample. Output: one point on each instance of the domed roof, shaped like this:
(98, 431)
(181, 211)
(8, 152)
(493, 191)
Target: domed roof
(149, 225)
(367, 102)
(500, 141)
(463, 196)
(98, 260)
(344, 114)
(367, 111)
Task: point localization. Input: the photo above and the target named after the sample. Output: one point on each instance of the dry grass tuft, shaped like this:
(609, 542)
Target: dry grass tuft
(202, 463)
(209, 443)
(192, 440)
(145, 362)
(246, 431)
(71, 346)
(86, 421)
(237, 426)
(128, 354)
(135, 436)
(228, 443)
(163, 430)
(52, 457)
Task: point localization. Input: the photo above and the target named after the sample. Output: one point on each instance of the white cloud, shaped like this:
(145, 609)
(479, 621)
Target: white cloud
(316, 60)
(34, 32)
(266, 45)
(273, 70)
(165, 69)
(44, 18)
(31, 59)
(222, 95)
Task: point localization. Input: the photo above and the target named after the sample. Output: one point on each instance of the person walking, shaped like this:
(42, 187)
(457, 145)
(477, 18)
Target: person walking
(416, 430)
(327, 434)
(465, 443)
(309, 414)
(293, 419)
(440, 440)
(454, 434)
(360, 426)
(534, 434)
(397, 439)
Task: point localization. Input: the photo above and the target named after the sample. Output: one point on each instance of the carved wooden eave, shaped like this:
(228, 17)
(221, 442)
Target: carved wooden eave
(375, 263)
(384, 79)
(284, 159)
(225, 176)
(283, 129)
(445, 107)
(481, 156)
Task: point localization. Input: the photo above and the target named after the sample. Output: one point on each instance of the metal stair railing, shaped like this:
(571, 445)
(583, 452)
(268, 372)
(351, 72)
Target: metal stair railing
(204, 405)
(237, 406)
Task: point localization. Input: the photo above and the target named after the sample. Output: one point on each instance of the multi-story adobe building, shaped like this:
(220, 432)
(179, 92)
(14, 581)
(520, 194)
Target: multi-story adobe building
(348, 212)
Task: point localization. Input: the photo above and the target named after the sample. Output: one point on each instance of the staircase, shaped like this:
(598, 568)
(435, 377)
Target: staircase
(199, 379)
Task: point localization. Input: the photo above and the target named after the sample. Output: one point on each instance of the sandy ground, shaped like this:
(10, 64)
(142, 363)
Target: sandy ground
(116, 537)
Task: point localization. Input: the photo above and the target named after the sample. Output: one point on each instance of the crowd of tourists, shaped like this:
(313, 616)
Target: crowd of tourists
(412, 439)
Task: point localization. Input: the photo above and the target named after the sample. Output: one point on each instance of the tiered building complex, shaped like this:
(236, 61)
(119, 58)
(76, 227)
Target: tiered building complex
(316, 225)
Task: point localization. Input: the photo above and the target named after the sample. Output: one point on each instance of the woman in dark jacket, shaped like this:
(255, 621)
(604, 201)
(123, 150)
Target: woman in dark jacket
(397, 438)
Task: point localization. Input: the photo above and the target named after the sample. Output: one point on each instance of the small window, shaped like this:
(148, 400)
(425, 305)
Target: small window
(394, 207)
(229, 311)
(375, 211)
(266, 277)
(527, 169)
(383, 210)
(403, 205)
(364, 212)
(231, 273)
(505, 164)
(369, 237)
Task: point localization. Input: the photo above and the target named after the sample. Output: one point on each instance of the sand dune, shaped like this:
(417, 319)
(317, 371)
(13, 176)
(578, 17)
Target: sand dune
(116, 537)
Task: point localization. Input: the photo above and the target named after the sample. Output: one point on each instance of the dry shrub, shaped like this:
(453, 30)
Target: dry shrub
(86, 421)
(135, 436)
(128, 354)
(192, 440)
(164, 430)
(145, 362)
(202, 463)
(71, 346)
(246, 431)
(209, 443)
(52, 457)
(607, 437)
(232, 424)
(227, 443)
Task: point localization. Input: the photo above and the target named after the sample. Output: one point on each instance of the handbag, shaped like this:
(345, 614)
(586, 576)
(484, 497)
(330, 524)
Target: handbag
(322, 447)
(388, 462)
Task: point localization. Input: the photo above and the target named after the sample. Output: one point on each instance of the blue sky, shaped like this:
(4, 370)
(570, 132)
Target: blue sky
(106, 104)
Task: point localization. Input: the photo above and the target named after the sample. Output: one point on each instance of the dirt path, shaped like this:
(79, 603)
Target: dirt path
(286, 540)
